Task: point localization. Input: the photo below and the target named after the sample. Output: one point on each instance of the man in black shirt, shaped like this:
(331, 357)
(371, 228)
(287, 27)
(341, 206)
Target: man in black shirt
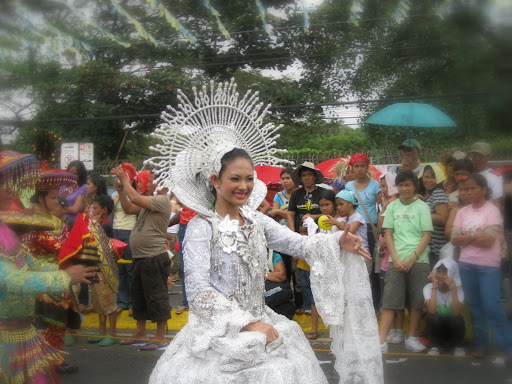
(305, 201)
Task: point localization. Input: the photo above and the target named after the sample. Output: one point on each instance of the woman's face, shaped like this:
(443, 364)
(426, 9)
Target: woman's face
(50, 202)
(472, 191)
(360, 169)
(73, 170)
(460, 173)
(90, 188)
(6, 197)
(236, 182)
(286, 181)
(429, 180)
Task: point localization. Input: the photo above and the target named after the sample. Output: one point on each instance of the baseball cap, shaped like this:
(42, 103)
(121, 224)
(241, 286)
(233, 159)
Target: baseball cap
(481, 148)
(410, 143)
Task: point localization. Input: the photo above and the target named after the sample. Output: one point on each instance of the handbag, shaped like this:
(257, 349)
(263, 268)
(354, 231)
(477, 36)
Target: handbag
(375, 234)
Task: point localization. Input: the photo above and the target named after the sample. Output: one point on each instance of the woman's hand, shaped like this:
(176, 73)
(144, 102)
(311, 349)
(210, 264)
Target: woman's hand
(267, 329)
(408, 263)
(353, 243)
(399, 265)
(119, 172)
(80, 273)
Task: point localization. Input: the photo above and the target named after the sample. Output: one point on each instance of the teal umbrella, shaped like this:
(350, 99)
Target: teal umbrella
(411, 115)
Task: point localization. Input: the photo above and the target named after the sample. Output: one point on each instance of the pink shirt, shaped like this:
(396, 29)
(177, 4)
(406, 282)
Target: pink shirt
(471, 220)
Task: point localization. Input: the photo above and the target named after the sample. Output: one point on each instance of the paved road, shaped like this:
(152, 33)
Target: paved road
(127, 364)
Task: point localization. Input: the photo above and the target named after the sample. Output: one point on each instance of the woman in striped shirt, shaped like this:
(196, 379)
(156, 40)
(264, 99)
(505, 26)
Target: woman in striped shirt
(431, 191)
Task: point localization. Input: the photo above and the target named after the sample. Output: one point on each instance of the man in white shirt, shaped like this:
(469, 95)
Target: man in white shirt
(480, 155)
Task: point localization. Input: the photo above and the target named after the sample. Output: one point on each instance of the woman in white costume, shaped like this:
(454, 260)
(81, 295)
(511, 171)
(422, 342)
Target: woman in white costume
(208, 152)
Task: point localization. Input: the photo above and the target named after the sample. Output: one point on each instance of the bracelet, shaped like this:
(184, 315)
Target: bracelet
(415, 254)
(380, 253)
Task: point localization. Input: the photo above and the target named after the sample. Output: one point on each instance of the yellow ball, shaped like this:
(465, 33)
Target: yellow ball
(322, 223)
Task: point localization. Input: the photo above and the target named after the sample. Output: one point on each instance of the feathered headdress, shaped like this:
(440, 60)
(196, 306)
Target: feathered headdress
(196, 136)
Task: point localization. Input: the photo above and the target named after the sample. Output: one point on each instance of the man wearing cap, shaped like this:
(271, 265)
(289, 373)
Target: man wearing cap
(410, 152)
(480, 155)
(304, 201)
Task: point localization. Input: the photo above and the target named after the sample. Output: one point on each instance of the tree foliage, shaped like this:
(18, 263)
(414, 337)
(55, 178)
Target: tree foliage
(459, 60)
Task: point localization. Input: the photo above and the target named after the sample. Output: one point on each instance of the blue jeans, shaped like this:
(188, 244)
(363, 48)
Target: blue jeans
(124, 299)
(181, 236)
(306, 289)
(482, 290)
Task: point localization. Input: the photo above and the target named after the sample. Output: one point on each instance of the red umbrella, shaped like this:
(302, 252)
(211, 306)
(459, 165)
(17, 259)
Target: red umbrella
(327, 168)
(268, 174)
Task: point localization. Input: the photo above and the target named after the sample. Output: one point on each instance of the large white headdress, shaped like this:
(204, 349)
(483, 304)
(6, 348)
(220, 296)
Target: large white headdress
(197, 135)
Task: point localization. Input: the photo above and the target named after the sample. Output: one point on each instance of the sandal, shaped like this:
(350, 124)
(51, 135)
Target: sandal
(313, 335)
(131, 342)
(300, 311)
(107, 342)
(149, 346)
(181, 309)
(98, 337)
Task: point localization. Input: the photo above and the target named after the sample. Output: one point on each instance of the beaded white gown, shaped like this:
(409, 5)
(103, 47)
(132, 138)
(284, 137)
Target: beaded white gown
(225, 265)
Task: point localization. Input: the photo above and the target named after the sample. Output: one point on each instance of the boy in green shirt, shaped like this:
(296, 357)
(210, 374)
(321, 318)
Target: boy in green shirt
(408, 226)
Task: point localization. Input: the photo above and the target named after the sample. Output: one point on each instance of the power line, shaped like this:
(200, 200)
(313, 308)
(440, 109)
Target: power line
(257, 30)
(73, 120)
(198, 61)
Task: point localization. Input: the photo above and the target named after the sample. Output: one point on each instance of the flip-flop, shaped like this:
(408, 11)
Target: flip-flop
(107, 342)
(313, 335)
(158, 346)
(98, 337)
(130, 342)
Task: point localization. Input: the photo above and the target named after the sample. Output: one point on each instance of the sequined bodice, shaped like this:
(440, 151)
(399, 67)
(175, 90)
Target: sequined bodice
(238, 263)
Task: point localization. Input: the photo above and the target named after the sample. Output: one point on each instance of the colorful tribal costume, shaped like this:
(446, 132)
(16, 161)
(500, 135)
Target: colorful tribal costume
(24, 356)
(54, 312)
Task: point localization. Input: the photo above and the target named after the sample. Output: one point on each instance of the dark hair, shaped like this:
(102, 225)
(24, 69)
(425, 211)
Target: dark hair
(287, 170)
(232, 155)
(481, 182)
(327, 194)
(442, 268)
(404, 175)
(465, 164)
(80, 170)
(105, 201)
(100, 184)
(421, 187)
(63, 202)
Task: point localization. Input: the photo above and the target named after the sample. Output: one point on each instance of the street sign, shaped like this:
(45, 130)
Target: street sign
(87, 155)
(77, 151)
(68, 153)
